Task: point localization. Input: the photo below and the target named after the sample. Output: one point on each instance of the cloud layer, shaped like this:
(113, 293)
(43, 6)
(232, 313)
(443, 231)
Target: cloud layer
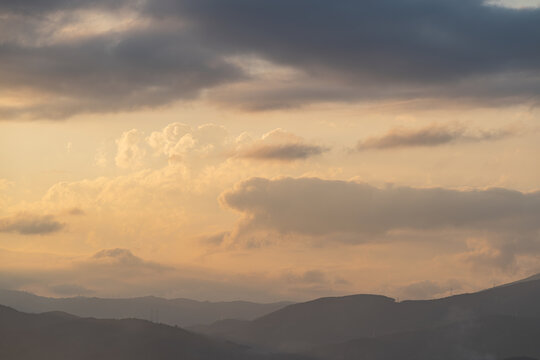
(337, 51)
(316, 207)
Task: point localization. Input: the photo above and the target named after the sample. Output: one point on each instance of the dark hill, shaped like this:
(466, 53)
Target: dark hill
(490, 338)
(58, 336)
(181, 312)
(331, 320)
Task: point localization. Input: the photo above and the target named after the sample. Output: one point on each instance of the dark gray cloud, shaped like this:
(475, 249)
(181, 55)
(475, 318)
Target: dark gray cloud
(30, 224)
(344, 50)
(413, 40)
(314, 206)
(433, 135)
(112, 72)
(422, 44)
(282, 152)
(33, 6)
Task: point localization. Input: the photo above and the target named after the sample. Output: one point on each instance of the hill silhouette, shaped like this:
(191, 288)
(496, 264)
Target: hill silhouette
(58, 336)
(300, 327)
(494, 337)
(181, 312)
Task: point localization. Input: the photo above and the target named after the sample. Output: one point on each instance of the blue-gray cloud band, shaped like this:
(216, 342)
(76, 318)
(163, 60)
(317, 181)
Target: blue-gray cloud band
(361, 49)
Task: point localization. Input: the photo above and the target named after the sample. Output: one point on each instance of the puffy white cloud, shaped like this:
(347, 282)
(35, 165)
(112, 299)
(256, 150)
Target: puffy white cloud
(181, 142)
(130, 153)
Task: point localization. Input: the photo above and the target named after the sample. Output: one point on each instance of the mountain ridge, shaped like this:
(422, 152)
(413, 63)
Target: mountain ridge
(301, 326)
(179, 311)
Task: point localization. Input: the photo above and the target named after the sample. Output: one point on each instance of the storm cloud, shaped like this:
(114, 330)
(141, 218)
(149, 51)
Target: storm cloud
(111, 72)
(341, 51)
(392, 48)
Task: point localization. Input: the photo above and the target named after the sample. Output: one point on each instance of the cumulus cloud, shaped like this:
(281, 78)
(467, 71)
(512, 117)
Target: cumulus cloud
(281, 146)
(30, 224)
(183, 143)
(130, 152)
(179, 141)
(432, 135)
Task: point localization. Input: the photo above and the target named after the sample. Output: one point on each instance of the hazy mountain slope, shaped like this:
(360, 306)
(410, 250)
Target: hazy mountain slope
(330, 320)
(59, 336)
(496, 337)
(181, 312)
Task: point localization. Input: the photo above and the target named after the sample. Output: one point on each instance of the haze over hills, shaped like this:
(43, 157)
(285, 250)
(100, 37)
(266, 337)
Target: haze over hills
(501, 323)
(57, 336)
(181, 312)
(301, 327)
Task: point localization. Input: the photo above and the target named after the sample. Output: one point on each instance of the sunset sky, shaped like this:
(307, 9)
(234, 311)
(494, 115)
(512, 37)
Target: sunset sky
(268, 149)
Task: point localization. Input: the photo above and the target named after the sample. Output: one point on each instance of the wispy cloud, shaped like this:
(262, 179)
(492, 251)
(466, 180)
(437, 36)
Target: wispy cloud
(280, 145)
(432, 135)
(30, 224)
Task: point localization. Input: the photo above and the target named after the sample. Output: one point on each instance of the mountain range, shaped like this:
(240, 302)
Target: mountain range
(501, 319)
(181, 312)
(58, 336)
(501, 323)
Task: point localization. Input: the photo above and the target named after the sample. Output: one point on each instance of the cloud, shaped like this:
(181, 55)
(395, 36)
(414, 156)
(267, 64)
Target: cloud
(462, 50)
(429, 136)
(286, 152)
(76, 211)
(315, 207)
(114, 71)
(395, 49)
(30, 224)
(121, 258)
(32, 7)
(281, 146)
(180, 142)
(130, 153)
(120, 273)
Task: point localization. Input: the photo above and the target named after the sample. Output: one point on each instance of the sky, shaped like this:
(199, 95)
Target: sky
(268, 150)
